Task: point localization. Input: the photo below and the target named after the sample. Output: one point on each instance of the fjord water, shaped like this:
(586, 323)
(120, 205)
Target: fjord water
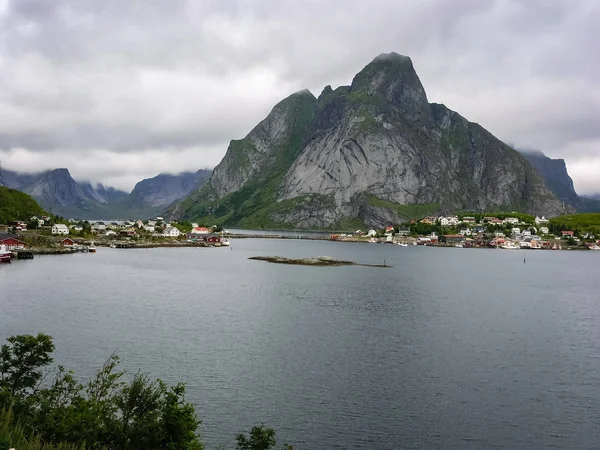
(449, 348)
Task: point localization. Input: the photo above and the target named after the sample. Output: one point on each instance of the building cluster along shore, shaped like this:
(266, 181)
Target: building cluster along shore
(505, 232)
(516, 231)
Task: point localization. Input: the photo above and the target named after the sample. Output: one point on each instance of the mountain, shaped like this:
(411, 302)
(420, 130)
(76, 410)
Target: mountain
(164, 189)
(16, 205)
(557, 179)
(374, 153)
(58, 192)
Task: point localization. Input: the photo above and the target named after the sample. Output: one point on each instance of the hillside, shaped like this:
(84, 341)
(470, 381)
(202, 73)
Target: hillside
(581, 223)
(357, 154)
(16, 205)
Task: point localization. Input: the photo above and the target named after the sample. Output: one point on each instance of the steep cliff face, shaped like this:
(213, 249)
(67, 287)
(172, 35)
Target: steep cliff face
(363, 153)
(557, 179)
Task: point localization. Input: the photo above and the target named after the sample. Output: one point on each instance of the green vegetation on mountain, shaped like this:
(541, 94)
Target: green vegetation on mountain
(106, 412)
(407, 211)
(16, 205)
(252, 204)
(579, 223)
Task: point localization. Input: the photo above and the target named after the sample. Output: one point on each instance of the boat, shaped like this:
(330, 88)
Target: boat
(459, 246)
(92, 248)
(112, 246)
(5, 254)
(225, 242)
(402, 244)
(594, 247)
(510, 246)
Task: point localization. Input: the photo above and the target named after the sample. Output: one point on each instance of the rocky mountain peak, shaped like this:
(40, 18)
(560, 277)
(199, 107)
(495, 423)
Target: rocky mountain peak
(366, 151)
(391, 78)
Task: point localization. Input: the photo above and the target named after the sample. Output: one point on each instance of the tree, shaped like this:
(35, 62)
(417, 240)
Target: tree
(106, 412)
(261, 438)
(21, 364)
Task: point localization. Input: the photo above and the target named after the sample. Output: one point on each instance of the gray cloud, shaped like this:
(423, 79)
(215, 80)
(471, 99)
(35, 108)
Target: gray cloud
(165, 85)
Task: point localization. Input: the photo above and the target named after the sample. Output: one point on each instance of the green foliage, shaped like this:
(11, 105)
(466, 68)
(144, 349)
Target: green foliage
(260, 438)
(105, 412)
(579, 223)
(14, 436)
(16, 205)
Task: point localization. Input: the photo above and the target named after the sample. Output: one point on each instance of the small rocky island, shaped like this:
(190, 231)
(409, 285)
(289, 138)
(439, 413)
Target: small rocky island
(315, 261)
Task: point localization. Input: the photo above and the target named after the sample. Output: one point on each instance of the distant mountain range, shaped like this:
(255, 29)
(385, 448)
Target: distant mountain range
(57, 192)
(557, 179)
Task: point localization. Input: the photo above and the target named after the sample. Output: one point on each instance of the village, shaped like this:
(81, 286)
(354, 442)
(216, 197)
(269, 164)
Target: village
(478, 231)
(44, 235)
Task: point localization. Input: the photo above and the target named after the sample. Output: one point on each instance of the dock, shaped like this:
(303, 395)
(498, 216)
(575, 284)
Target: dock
(23, 254)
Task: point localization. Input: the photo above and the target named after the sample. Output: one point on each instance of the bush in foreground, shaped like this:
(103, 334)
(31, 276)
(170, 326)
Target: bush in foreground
(105, 413)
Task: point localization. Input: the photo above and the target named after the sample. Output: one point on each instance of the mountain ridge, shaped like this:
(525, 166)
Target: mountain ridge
(58, 192)
(321, 162)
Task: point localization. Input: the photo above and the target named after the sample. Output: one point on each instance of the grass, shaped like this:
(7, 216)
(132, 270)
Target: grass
(406, 211)
(577, 222)
(13, 436)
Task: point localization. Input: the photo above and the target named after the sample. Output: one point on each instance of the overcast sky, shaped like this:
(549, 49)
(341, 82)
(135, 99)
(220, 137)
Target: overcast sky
(121, 90)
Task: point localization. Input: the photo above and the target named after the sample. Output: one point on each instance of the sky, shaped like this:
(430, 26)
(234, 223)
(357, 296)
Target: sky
(120, 91)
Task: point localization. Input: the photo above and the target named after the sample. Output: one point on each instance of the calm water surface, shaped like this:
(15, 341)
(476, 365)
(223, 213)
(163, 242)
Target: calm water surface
(450, 348)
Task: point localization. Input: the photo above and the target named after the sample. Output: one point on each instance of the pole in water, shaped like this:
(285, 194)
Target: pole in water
(523, 260)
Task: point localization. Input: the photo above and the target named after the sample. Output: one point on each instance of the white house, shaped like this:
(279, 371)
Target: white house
(372, 233)
(449, 221)
(465, 232)
(60, 228)
(541, 220)
(526, 233)
(544, 230)
(149, 228)
(499, 234)
(100, 226)
(76, 228)
(171, 232)
(516, 231)
(139, 224)
(111, 233)
(511, 220)
(468, 219)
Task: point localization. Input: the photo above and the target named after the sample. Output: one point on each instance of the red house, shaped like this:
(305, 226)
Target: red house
(213, 239)
(567, 233)
(13, 243)
(66, 242)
